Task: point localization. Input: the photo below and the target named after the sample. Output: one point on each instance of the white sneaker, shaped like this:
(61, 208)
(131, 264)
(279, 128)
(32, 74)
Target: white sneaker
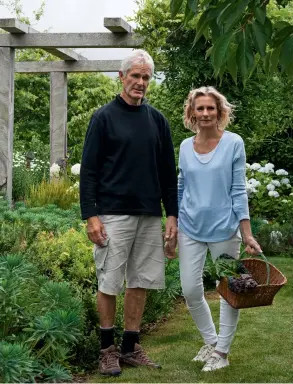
(215, 362)
(204, 353)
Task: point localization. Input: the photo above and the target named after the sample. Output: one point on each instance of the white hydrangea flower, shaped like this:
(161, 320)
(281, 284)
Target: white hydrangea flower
(281, 172)
(271, 187)
(269, 166)
(263, 170)
(273, 194)
(75, 169)
(291, 194)
(265, 221)
(285, 180)
(285, 201)
(275, 237)
(54, 170)
(276, 183)
(255, 166)
(254, 182)
(247, 166)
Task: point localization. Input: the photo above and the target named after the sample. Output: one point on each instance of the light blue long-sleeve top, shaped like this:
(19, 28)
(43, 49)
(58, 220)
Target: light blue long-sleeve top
(212, 196)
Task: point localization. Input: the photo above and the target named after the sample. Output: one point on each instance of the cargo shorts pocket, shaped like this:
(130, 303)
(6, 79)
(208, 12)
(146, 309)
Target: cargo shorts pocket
(100, 255)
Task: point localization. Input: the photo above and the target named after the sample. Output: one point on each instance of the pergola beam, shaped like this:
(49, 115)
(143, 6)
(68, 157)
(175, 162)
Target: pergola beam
(14, 26)
(117, 25)
(66, 66)
(71, 40)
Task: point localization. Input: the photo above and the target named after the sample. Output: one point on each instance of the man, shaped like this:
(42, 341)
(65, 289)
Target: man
(127, 168)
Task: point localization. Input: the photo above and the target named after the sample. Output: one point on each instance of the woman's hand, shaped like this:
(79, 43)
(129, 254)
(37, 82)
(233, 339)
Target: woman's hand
(170, 248)
(252, 246)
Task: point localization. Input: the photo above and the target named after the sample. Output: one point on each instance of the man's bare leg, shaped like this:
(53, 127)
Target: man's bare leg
(134, 303)
(106, 305)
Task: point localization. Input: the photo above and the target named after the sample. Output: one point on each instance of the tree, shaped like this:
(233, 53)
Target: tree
(241, 32)
(264, 116)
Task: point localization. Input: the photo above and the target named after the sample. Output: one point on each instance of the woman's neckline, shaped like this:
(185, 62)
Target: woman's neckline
(210, 152)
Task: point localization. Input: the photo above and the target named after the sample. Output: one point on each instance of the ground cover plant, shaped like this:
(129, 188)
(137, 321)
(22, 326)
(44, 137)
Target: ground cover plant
(40, 321)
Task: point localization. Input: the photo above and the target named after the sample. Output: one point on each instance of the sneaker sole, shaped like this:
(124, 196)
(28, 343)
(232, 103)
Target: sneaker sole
(212, 370)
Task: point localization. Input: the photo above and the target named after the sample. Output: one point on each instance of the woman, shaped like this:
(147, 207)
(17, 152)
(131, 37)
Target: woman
(213, 210)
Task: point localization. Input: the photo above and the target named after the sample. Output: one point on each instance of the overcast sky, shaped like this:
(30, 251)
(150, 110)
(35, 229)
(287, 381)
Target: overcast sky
(79, 16)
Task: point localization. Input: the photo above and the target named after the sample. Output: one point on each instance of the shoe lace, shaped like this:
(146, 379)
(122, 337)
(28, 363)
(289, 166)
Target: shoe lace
(111, 358)
(142, 356)
(213, 360)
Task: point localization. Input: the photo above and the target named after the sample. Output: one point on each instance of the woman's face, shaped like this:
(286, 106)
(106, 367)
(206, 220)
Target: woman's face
(206, 112)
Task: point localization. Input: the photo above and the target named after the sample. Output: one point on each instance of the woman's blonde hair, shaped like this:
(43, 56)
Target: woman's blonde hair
(225, 109)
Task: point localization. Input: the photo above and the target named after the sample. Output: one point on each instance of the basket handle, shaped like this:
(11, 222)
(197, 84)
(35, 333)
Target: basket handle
(262, 256)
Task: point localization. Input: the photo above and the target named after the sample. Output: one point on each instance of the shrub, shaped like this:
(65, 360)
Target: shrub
(58, 192)
(276, 239)
(66, 257)
(20, 226)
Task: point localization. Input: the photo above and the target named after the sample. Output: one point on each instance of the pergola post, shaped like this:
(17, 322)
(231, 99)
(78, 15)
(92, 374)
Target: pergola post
(58, 116)
(6, 119)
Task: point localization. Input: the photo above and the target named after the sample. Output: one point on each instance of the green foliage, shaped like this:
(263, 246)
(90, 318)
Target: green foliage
(20, 226)
(57, 192)
(243, 26)
(276, 239)
(40, 321)
(16, 363)
(29, 167)
(67, 257)
(55, 373)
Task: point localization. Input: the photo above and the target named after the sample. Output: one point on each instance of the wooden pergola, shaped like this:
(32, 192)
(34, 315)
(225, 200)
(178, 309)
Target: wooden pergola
(22, 36)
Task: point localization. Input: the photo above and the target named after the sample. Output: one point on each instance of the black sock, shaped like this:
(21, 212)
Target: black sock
(107, 337)
(128, 341)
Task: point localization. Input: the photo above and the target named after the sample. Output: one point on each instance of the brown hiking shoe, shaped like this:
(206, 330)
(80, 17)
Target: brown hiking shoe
(138, 358)
(109, 361)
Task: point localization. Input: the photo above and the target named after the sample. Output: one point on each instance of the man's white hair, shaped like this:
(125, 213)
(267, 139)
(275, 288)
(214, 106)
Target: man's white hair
(138, 56)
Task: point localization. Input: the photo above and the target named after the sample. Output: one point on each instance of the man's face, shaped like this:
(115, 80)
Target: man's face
(135, 82)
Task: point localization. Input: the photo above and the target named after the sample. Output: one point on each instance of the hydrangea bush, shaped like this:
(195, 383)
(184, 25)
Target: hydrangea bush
(269, 191)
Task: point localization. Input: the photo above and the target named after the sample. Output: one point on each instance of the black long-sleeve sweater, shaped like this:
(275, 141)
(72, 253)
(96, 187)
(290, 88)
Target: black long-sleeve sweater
(128, 163)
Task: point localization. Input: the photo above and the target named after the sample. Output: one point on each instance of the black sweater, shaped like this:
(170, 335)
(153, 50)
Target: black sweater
(128, 163)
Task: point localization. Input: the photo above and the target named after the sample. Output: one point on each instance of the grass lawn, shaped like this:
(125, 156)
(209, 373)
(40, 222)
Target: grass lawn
(262, 350)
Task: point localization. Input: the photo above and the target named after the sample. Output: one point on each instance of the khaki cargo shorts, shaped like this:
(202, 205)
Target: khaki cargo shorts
(133, 251)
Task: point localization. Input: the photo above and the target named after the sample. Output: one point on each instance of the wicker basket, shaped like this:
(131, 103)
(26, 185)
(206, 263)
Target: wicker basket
(263, 294)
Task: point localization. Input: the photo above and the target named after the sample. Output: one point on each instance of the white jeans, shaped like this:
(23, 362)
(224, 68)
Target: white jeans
(192, 255)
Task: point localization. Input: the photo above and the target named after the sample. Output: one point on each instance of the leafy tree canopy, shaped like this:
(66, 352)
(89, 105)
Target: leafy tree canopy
(241, 33)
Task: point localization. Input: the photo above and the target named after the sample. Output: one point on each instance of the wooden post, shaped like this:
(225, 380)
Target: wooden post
(58, 116)
(6, 120)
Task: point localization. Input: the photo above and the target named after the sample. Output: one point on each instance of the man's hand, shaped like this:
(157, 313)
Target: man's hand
(252, 246)
(96, 231)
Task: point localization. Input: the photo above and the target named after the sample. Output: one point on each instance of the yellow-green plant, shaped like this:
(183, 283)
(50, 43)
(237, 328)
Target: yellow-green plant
(65, 257)
(58, 192)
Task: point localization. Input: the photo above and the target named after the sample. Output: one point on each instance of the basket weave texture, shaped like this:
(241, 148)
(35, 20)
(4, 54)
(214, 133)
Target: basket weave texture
(263, 294)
